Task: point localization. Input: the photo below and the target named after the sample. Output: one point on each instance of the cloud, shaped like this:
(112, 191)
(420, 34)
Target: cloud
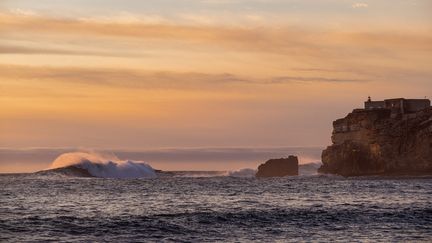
(290, 79)
(127, 18)
(138, 79)
(287, 40)
(119, 77)
(242, 53)
(360, 5)
(24, 12)
(18, 49)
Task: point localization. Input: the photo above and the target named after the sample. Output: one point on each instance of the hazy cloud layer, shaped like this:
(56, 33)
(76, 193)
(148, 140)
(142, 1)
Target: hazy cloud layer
(265, 39)
(360, 5)
(18, 49)
(148, 79)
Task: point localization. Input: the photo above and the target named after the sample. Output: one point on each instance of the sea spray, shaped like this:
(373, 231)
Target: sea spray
(243, 173)
(309, 169)
(104, 166)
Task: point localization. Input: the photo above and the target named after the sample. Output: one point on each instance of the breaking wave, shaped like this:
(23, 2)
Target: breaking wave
(243, 173)
(309, 169)
(93, 164)
(101, 165)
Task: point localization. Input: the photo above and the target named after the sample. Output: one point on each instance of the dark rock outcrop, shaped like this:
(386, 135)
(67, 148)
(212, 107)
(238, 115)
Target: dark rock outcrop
(375, 142)
(279, 167)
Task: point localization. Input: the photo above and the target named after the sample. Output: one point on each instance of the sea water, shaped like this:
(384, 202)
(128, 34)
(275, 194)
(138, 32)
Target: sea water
(187, 207)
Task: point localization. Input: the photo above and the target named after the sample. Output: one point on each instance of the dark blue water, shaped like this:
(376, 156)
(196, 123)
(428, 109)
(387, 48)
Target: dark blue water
(41, 208)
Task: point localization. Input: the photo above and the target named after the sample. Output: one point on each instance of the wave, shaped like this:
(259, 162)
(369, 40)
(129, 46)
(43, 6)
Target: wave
(92, 164)
(198, 174)
(84, 164)
(243, 173)
(309, 169)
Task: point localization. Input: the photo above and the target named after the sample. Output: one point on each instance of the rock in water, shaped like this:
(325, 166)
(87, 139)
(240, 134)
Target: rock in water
(378, 142)
(279, 167)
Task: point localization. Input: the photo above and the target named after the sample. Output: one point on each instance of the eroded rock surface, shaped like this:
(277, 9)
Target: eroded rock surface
(279, 167)
(374, 142)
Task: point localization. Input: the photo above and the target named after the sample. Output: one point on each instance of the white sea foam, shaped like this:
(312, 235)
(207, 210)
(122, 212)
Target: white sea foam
(309, 169)
(105, 166)
(243, 173)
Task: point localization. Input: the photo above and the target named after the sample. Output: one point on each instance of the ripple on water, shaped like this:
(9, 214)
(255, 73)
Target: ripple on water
(215, 209)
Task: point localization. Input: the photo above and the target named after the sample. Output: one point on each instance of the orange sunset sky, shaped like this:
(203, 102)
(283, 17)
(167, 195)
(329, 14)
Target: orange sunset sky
(192, 73)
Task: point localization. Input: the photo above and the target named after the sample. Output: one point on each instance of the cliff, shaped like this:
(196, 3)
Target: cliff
(279, 167)
(374, 142)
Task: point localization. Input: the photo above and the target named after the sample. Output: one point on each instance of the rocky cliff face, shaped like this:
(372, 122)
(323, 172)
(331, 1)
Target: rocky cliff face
(279, 167)
(371, 142)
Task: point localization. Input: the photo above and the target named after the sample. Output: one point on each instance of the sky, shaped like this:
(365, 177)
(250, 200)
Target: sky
(202, 73)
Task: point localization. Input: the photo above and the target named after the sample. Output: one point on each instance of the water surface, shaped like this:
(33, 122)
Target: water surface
(308, 208)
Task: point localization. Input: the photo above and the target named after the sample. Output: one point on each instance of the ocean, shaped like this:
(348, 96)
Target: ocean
(214, 207)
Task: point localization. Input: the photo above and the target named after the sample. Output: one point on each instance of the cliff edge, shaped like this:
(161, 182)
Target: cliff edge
(380, 142)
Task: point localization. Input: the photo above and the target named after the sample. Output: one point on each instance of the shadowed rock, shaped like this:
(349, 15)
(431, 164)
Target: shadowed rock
(279, 167)
(380, 142)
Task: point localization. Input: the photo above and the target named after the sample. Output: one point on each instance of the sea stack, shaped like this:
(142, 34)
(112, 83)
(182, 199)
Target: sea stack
(279, 167)
(390, 137)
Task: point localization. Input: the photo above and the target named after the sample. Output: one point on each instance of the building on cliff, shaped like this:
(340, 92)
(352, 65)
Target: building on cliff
(390, 137)
(399, 106)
